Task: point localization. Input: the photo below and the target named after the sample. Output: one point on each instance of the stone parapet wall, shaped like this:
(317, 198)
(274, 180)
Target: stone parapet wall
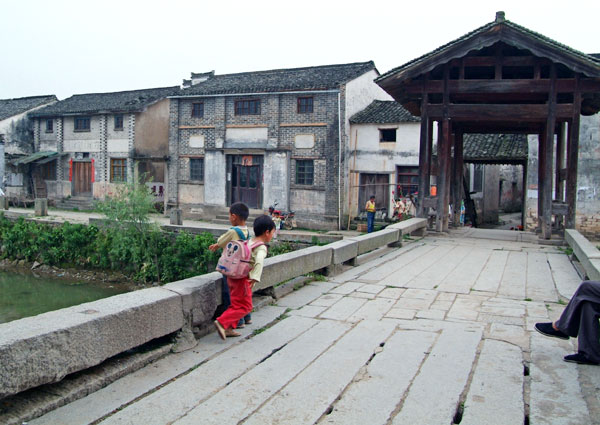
(587, 224)
(45, 348)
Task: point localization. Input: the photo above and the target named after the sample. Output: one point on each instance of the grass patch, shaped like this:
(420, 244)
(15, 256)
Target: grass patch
(561, 302)
(527, 299)
(568, 250)
(259, 330)
(317, 277)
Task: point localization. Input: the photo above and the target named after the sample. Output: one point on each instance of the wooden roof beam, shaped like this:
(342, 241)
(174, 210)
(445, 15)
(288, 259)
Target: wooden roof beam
(490, 112)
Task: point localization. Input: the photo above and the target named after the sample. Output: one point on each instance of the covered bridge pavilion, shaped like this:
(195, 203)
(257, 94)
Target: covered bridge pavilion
(500, 78)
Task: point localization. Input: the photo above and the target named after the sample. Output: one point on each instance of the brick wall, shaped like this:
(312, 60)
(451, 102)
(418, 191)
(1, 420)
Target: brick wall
(283, 122)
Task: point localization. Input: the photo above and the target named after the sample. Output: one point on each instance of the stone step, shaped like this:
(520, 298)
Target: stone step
(307, 397)
(244, 395)
(392, 370)
(81, 203)
(450, 363)
(174, 400)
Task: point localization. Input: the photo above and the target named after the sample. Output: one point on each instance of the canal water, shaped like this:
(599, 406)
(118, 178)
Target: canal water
(24, 295)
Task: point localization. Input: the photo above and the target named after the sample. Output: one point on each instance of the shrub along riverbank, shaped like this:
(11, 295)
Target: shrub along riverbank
(152, 256)
(129, 243)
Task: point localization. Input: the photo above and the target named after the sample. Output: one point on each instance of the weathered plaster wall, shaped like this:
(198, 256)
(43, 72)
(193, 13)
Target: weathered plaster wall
(511, 193)
(191, 193)
(152, 130)
(276, 179)
(375, 157)
(360, 92)
(214, 184)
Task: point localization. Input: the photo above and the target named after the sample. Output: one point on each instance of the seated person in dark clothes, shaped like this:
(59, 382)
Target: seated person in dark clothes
(580, 319)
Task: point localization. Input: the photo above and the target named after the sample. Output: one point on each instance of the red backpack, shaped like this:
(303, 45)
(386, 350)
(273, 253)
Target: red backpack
(235, 259)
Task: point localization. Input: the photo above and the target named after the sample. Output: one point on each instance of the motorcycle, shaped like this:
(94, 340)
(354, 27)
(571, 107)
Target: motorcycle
(284, 220)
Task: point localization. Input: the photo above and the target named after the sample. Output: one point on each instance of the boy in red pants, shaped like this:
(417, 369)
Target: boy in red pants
(241, 289)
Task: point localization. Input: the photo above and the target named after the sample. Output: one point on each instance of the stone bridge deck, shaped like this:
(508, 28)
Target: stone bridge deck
(436, 332)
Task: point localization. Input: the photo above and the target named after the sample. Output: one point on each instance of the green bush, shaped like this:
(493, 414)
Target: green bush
(144, 256)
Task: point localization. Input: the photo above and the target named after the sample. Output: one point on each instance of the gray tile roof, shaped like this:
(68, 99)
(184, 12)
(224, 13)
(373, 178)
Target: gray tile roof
(495, 148)
(580, 56)
(94, 103)
(383, 112)
(308, 78)
(11, 107)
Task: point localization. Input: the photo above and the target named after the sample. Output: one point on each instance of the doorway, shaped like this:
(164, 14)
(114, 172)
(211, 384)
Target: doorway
(247, 179)
(374, 184)
(82, 179)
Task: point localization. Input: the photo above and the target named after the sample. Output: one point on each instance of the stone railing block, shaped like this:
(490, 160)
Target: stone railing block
(586, 252)
(200, 296)
(374, 240)
(409, 226)
(41, 207)
(176, 217)
(293, 264)
(45, 348)
(343, 251)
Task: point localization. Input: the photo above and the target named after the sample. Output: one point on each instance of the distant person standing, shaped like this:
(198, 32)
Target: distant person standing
(370, 208)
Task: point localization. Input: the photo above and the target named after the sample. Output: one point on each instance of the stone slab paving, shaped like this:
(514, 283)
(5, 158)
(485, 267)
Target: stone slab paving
(436, 390)
(246, 394)
(491, 275)
(556, 396)
(173, 401)
(439, 331)
(308, 396)
(538, 276)
(562, 272)
(393, 368)
(130, 387)
(497, 383)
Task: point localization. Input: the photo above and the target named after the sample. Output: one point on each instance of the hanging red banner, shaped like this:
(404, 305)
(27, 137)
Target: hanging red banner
(71, 169)
(93, 173)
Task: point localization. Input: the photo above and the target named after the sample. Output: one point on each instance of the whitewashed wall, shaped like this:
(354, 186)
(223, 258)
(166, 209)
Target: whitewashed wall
(375, 157)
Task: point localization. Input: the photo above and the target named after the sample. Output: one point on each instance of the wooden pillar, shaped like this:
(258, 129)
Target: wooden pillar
(458, 176)
(572, 158)
(448, 179)
(559, 185)
(442, 180)
(549, 144)
(524, 196)
(424, 157)
(541, 166)
(559, 182)
(441, 220)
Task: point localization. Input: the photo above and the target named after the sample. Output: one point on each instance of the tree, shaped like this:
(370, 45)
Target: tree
(135, 239)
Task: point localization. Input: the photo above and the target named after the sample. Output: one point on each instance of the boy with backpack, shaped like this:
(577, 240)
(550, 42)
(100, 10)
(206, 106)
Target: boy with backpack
(238, 214)
(242, 263)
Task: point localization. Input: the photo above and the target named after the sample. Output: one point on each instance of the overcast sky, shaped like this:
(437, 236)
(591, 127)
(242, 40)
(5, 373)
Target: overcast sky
(66, 47)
